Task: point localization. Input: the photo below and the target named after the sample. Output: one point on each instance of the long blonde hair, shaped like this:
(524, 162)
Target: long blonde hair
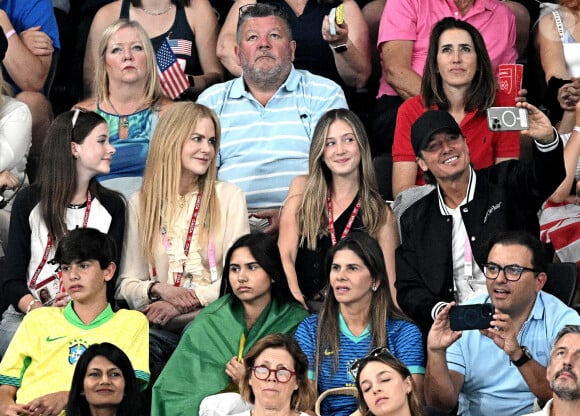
(160, 188)
(152, 87)
(312, 213)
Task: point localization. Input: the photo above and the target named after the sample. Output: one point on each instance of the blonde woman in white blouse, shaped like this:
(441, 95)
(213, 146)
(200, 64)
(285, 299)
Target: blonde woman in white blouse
(180, 227)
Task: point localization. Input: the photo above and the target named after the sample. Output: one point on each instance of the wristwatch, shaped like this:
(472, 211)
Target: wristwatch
(340, 48)
(152, 298)
(526, 356)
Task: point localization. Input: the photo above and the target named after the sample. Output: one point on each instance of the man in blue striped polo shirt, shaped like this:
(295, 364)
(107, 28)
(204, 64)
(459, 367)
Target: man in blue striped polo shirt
(268, 114)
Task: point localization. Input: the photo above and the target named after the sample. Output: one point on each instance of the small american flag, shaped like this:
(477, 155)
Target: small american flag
(172, 77)
(180, 46)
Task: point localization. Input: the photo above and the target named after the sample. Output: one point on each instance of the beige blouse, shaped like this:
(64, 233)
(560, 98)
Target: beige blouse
(136, 274)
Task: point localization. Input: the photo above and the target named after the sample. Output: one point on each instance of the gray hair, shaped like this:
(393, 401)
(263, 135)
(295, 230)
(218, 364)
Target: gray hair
(568, 329)
(250, 11)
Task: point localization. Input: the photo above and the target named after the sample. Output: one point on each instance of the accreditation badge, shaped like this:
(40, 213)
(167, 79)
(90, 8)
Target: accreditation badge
(47, 289)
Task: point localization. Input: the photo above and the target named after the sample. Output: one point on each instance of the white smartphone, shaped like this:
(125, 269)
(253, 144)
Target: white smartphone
(507, 118)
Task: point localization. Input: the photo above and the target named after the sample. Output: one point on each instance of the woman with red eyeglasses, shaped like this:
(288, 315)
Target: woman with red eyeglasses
(276, 378)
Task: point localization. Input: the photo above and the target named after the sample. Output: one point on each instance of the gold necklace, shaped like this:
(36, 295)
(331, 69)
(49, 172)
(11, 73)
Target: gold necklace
(157, 12)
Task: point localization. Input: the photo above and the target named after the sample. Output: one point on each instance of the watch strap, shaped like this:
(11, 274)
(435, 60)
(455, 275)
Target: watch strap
(526, 356)
(340, 48)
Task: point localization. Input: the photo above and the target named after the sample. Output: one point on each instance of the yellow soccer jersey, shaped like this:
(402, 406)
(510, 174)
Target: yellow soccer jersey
(46, 347)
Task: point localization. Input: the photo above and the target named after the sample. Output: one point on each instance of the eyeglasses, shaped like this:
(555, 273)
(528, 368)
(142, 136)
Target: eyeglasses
(377, 352)
(512, 272)
(246, 8)
(282, 375)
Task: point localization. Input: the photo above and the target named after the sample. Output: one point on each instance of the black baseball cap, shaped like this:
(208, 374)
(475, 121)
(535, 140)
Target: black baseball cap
(431, 122)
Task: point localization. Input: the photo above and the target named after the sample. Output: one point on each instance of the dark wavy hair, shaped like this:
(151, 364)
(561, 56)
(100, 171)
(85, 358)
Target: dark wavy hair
(481, 92)
(82, 244)
(383, 307)
(77, 402)
(265, 250)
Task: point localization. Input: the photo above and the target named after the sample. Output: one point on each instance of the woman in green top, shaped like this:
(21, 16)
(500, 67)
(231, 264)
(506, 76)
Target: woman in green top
(209, 357)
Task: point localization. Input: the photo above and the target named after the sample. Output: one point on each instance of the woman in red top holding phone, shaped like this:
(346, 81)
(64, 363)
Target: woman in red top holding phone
(458, 78)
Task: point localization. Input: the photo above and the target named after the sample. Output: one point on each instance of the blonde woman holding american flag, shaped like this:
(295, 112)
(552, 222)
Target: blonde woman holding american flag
(129, 98)
(183, 34)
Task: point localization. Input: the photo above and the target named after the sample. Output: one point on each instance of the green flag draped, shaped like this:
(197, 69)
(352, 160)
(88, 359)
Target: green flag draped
(197, 367)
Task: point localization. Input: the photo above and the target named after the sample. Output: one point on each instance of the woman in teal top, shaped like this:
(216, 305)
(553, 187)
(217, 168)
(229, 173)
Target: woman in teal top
(129, 98)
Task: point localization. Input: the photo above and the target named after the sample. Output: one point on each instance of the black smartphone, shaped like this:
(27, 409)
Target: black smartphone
(507, 118)
(466, 317)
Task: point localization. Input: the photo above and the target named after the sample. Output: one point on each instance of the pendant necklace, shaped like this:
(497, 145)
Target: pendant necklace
(123, 119)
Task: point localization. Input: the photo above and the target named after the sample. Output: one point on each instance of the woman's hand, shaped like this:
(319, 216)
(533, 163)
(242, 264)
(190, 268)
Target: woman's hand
(522, 96)
(341, 36)
(299, 297)
(235, 370)
(160, 312)
(8, 180)
(61, 300)
(181, 298)
(569, 95)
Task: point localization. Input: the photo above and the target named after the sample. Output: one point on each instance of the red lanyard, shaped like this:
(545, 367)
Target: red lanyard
(189, 236)
(353, 215)
(32, 284)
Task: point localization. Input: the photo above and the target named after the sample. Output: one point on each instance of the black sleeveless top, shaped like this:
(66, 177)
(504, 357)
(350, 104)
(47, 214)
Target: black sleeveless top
(181, 39)
(310, 264)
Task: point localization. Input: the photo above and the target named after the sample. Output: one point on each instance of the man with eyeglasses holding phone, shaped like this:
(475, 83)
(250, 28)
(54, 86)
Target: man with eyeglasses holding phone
(444, 234)
(499, 370)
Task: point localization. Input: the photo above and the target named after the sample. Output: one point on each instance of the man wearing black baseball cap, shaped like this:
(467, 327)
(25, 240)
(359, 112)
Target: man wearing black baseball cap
(444, 234)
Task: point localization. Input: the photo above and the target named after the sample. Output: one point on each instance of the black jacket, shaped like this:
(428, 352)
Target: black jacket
(507, 197)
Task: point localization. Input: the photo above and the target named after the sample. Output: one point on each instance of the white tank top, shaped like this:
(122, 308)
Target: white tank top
(570, 46)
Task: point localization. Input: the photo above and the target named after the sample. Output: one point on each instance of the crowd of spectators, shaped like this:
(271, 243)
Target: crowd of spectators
(190, 214)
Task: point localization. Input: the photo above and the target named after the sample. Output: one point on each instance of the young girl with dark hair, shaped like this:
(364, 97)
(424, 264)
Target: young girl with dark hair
(65, 196)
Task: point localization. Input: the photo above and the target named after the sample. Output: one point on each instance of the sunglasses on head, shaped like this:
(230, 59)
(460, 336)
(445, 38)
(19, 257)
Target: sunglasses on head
(377, 352)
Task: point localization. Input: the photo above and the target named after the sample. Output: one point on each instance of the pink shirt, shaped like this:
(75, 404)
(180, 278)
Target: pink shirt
(414, 20)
